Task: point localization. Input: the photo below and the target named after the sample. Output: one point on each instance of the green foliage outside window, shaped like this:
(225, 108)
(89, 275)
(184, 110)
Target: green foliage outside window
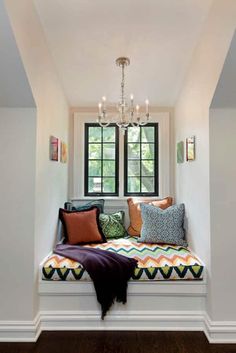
(141, 160)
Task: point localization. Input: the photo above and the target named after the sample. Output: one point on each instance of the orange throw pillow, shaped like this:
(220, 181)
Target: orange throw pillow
(82, 227)
(135, 212)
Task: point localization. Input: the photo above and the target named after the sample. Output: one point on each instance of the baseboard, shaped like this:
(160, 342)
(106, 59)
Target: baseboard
(20, 331)
(219, 331)
(29, 331)
(123, 320)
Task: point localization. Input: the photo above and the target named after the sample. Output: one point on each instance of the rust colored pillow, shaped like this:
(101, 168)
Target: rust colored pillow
(82, 227)
(135, 212)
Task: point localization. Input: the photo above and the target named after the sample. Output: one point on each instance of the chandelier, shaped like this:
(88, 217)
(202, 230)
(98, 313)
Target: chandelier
(128, 114)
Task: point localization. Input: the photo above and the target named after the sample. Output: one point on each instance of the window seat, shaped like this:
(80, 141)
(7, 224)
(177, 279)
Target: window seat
(155, 262)
(167, 292)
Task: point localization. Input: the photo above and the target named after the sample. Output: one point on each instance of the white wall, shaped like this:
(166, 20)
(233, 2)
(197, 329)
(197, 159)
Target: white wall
(17, 195)
(52, 119)
(17, 180)
(223, 211)
(192, 118)
(222, 190)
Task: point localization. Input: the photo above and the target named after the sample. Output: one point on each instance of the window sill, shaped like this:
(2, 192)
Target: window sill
(112, 204)
(115, 199)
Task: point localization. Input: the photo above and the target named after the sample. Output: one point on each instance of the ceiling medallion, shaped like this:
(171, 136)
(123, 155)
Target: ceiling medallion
(127, 113)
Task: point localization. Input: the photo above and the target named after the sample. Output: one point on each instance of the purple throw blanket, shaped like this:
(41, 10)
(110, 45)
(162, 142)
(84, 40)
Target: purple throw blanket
(110, 272)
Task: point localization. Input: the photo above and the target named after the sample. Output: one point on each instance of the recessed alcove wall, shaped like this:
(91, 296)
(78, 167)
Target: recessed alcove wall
(17, 181)
(32, 107)
(222, 128)
(194, 183)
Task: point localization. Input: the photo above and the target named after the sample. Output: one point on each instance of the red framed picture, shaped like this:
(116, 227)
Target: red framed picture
(54, 148)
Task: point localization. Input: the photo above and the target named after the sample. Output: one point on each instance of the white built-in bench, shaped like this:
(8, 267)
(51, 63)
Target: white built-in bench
(151, 305)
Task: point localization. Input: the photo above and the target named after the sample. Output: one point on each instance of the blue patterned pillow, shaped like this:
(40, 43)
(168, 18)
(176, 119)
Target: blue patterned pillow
(163, 226)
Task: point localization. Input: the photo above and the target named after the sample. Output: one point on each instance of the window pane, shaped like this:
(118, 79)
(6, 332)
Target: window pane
(133, 134)
(109, 134)
(147, 184)
(95, 185)
(133, 151)
(148, 151)
(94, 151)
(133, 168)
(101, 159)
(133, 184)
(109, 185)
(109, 151)
(140, 160)
(95, 168)
(109, 168)
(95, 134)
(148, 134)
(148, 168)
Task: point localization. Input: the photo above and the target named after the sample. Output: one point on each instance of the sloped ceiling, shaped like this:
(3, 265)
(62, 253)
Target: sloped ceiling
(14, 87)
(225, 94)
(85, 38)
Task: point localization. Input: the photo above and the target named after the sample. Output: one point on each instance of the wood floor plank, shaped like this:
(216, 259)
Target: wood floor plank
(119, 342)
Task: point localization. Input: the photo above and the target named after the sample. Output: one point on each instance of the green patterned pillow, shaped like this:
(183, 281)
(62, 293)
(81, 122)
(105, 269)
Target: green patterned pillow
(113, 224)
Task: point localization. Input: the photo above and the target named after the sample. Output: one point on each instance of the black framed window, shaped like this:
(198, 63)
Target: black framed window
(141, 160)
(101, 160)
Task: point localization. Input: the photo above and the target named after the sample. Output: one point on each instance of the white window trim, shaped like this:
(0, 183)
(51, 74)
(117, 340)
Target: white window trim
(80, 118)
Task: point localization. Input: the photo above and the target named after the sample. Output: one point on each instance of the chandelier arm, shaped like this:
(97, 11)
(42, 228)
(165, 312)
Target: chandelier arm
(102, 120)
(103, 124)
(145, 121)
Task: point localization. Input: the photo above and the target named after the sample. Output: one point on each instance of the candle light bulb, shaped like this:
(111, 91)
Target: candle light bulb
(147, 106)
(137, 108)
(100, 107)
(104, 99)
(132, 97)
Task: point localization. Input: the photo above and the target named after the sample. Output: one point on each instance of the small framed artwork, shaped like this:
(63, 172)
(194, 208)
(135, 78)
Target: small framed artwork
(54, 148)
(190, 148)
(180, 152)
(63, 152)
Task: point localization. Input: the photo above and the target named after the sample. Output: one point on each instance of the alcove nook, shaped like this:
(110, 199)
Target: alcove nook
(36, 108)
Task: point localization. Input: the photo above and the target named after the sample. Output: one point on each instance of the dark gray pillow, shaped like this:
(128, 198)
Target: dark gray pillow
(163, 226)
(69, 206)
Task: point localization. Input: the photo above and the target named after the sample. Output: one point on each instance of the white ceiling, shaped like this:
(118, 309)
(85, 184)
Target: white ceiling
(86, 36)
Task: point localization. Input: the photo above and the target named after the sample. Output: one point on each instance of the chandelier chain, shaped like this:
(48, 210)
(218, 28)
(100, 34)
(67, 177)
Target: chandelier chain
(123, 93)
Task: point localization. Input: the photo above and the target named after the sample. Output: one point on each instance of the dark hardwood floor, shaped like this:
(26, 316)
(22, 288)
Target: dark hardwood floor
(119, 342)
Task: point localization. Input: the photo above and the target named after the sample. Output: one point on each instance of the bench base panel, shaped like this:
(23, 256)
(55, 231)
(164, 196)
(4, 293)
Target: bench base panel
(153, 306)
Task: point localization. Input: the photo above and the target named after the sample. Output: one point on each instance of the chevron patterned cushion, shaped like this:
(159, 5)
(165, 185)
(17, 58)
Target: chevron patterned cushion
(163, 226)
(155, 262)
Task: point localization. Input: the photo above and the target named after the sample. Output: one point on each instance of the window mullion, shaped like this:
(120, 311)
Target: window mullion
(140, 164)
(102, 160)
